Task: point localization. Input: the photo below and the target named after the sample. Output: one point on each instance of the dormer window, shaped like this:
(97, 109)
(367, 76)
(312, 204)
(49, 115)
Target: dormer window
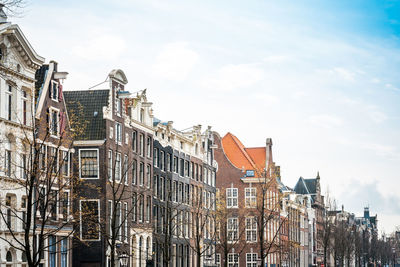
(54, 90)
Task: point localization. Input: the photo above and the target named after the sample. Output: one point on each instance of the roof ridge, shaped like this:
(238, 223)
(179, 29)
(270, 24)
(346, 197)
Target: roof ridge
(242, 149)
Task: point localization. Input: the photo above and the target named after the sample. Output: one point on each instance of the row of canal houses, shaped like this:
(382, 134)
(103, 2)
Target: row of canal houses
(92, 178)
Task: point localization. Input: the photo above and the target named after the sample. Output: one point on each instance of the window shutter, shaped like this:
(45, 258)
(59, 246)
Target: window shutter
(60, 94)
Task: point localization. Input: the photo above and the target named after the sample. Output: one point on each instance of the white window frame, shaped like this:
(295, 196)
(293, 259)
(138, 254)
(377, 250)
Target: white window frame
(232, 197)
(233, 260)
(57, 111)
(251, 259)
(51, 89)
(118, 133)
(118, 165)
(110, 164)
(80, 216)
(232, 227)
(80, 164)
(251, 229)
(250, 197)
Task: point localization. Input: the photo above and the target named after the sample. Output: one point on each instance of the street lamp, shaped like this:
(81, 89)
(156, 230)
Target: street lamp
(123, 260)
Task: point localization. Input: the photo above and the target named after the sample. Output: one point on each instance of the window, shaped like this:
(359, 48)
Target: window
(64, 252)
(251, 259)
(148, 176)
(52, 251)
(141, 208)
(24, 107)
(89, 219)
(118, 134)
(250, 197)
(155, 157)
(162, 160)
(125, 221)
(54, 118)
(134, 141)
(110, 165)
(231, 197)
(182, 167)
(53, 159)
(134, 172)
(187, 168)
(54, 90)
(141, 145)
(9, 95)
(232, 229)
(23, 210)
(233, 260)
(148, 147)
(52, 203)
(8, 165)
(134, 207)
(125, 176)
(117, 167)
(42, 157)
(9, 202)
(118, 224)
(88, 163)
(251, 229)
(148, 208)
(169, 162)
(65, 163)
(65, 205)
(141, 173)
(118, 106)
(176, 167)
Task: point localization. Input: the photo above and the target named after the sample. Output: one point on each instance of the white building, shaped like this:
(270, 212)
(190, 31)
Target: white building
(18, 64)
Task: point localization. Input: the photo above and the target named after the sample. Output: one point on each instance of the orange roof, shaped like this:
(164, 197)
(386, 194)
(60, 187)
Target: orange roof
(258, 154)
(241, 157)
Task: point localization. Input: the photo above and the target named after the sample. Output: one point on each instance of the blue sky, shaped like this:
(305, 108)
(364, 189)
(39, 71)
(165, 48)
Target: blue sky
(319, 77)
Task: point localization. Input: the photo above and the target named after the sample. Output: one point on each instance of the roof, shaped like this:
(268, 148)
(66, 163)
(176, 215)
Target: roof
(88, 107)
(242, 157)
(306, 186)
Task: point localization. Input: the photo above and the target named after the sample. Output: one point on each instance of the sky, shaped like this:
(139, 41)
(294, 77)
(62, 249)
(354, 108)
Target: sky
(321, 78)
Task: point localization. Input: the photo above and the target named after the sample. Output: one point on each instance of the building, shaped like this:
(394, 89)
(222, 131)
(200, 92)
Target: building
(53, 150)
(184, 195)
(249, 198)
(18, 64)
(312, 189)
(114, 162)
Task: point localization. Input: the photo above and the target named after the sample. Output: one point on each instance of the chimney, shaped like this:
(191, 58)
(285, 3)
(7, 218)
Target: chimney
(268, 156)
(3, 16)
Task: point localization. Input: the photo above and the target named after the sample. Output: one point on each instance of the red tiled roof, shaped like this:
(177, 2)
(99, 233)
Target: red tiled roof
(241, 157)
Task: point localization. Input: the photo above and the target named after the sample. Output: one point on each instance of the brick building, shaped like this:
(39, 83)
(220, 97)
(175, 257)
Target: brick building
(114, 161)
(249, 196)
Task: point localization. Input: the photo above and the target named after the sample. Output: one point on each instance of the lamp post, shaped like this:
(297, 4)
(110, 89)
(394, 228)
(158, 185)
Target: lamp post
(123, 260)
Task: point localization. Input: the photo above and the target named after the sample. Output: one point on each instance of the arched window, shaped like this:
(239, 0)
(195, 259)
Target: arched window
(9, 256)
(140, 251)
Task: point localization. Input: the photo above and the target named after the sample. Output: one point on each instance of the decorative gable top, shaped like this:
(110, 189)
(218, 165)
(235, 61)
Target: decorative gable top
(18, 41)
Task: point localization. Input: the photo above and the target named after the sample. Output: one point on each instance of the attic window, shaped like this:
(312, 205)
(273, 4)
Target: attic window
(18, 68)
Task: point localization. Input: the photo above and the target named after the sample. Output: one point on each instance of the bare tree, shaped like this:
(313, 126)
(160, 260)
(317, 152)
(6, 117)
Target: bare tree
(39, 171)
(230, 228)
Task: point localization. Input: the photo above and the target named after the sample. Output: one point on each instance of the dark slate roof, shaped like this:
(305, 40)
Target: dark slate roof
(84, 105)
(306, 186)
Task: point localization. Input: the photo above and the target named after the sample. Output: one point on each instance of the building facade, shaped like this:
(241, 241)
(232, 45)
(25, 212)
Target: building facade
(249, 226)
(184, 194)
(18, 64)
(114, 162)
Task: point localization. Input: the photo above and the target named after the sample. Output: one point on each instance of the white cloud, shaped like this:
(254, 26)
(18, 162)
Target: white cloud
(175, 61)
(325, 120)
(232, 77)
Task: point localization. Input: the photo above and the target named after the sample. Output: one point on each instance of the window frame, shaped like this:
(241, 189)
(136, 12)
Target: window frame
(80, 163)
